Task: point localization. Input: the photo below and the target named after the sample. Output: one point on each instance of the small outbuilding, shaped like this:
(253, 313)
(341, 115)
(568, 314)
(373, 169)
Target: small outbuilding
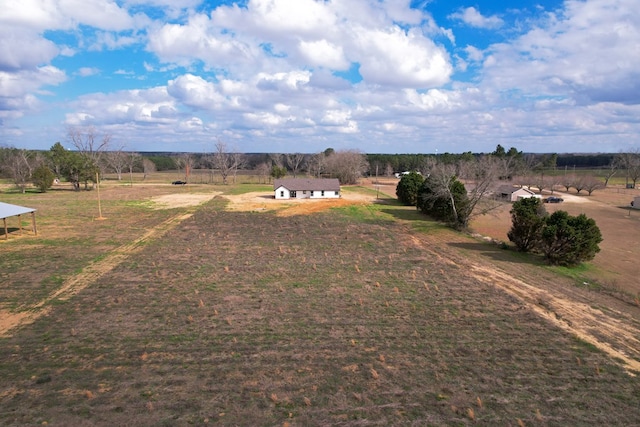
(7, 211)
(306, 188)
(635, 203)
(513, 194)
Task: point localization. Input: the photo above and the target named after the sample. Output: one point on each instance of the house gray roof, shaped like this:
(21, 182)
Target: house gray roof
(302, 184)
(7, 210)
(509, 189)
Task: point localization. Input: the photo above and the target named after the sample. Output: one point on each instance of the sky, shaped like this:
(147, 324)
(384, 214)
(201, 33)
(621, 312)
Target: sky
(285, 76)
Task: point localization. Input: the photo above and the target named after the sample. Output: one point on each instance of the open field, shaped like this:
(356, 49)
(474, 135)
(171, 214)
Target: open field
(213, 305)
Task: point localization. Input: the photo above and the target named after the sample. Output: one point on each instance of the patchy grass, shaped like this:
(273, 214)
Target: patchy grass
(246, 188)
(335, 318)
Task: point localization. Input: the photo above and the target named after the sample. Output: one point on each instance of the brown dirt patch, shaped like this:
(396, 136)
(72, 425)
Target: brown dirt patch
(263, 202)
(170, 201)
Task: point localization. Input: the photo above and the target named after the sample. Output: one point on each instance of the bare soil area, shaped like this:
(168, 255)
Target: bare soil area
(181, 200)
(264, 202)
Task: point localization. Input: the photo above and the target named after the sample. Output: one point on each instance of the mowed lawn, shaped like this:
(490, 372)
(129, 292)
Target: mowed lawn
(334, 318)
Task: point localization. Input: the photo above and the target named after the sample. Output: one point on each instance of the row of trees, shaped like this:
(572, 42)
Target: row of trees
(443, 195)
(89, 158)
(25, 167)
(92, 156)
(348, 166)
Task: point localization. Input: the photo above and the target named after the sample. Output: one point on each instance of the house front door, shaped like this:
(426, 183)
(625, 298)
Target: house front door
(292, 194)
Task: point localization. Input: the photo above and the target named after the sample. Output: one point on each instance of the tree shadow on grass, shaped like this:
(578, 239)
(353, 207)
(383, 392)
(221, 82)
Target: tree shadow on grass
(497, 252)
(488, 249)
(400, 211)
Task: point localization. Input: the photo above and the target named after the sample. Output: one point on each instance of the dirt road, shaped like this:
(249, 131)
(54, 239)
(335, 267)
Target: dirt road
(606, 323)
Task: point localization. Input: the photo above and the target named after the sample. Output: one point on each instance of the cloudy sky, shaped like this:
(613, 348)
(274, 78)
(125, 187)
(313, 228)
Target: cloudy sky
(381, 76)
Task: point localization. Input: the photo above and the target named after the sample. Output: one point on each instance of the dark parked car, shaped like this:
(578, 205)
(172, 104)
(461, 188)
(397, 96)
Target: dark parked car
(178, 183)
(553, 199)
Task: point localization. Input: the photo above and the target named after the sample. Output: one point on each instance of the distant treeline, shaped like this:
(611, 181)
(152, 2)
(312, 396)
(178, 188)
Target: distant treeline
(397, 162)
(381, 163)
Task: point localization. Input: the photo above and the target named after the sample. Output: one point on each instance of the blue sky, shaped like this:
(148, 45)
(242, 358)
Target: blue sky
(380, 76)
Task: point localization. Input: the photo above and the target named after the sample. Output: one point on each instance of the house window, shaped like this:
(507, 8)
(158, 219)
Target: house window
(337, 193)
(322, 193)
(281, 193)
(304, 191)
(312, 193)
(292, 194)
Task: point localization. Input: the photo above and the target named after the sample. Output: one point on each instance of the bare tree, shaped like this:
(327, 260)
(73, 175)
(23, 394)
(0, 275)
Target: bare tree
(88, 142)
(295, 162)
(18, 164)
(316, 164)
(226, 162)
(579, 182)
(91, 146)
(185, 163)
(481, 175)
(611, 169)
(634, 166)
(568, 181)
(445, 195)
(348, 166)
(591, 184)
(116, 161)
(133, 160)
(277, 159)
(238, 161)
(148, 167)
(388, 171)
(630, 162)
(543, 182)
(586, 182)
(508, 166)
(442, 177)
(264, 171)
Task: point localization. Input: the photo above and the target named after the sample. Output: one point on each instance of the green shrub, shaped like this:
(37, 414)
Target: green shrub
(527, 218)
(408, 188)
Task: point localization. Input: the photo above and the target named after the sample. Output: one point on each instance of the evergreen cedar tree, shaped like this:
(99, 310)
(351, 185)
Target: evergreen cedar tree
(278, 172)
(527, 220)
(569, 240)
(561, 238)
(408, 188)
(42, 178)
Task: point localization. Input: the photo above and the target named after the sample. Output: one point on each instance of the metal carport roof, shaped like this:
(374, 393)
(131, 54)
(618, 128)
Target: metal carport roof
(7, 210)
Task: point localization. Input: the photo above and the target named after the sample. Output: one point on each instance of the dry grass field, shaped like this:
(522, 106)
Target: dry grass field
(213, 305)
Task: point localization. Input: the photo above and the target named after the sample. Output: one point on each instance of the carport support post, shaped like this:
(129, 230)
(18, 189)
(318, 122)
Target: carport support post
(33, 223)
(20, 224)
(6, 230)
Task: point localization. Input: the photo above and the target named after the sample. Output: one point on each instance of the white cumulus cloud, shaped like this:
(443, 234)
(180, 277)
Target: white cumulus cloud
(471, 16)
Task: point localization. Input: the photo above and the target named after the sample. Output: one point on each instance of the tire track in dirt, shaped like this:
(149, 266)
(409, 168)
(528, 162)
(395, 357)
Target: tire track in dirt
(615, 332)
(10, 320)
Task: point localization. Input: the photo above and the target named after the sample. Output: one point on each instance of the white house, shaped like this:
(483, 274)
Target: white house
(514, 194)
(306, 188)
